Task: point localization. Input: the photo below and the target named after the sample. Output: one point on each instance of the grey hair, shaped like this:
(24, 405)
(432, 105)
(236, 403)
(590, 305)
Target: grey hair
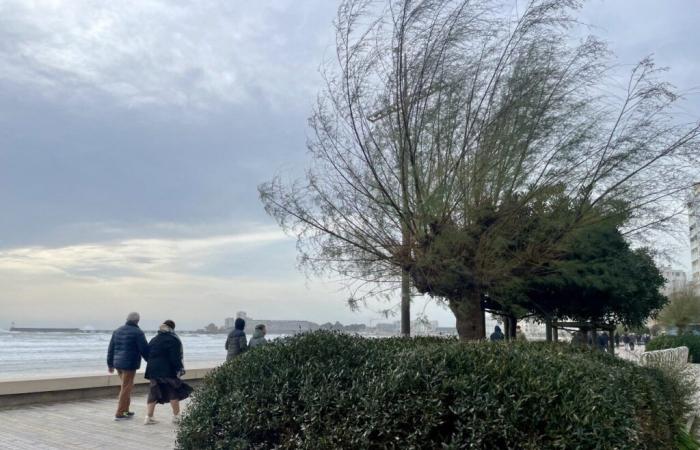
(133, 317)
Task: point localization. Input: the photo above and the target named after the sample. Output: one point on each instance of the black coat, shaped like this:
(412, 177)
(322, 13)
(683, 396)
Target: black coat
(236, 343)
(126, 348)
(165, 356)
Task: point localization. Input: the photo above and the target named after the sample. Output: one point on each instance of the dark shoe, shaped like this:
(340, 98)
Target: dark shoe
(124, 416)
(130, 413)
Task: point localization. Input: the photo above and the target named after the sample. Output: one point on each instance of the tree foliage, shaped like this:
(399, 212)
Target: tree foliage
(461, 115)
(682, 310)
(591, 274)
(599, 279)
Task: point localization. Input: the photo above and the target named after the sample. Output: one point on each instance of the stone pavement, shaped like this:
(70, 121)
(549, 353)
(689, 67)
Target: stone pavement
(85, 424)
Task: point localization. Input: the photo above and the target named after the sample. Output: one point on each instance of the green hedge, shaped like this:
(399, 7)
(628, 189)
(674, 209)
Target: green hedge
(330, 391)
(687, 340)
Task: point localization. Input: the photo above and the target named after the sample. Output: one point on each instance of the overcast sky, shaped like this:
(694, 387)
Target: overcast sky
(133, 135)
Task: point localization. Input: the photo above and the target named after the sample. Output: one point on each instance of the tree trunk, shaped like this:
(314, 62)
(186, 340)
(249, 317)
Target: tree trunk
(470, 317)
(512, 325)
(405, 304)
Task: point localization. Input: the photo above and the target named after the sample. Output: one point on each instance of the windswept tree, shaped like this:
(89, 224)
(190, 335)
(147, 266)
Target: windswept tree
(465, 115)
(682, 310)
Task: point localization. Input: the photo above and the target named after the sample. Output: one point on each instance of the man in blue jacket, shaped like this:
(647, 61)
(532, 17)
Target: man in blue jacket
(126, 348)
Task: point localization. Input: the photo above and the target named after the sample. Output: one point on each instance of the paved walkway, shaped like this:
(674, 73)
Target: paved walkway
(84, 425)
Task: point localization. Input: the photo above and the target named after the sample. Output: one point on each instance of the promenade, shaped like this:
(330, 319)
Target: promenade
(86, 424)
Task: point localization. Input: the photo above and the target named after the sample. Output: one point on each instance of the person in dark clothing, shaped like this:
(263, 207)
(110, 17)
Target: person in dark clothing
(617, 339)
(497, 334)
(236, 343)
(603, 340)
(626, 341)
(126, 348)
(164, 369)
(578, 339)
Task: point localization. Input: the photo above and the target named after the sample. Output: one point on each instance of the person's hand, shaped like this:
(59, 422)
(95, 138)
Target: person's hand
(111, 370)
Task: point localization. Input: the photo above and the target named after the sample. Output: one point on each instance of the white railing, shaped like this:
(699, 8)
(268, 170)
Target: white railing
(668, 358)
(674, 361)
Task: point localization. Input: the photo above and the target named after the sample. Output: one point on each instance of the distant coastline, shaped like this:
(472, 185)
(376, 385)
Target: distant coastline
(46, 330)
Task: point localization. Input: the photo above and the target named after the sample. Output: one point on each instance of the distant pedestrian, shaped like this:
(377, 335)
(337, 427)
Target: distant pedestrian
(577, 339)
(258, 336)
(617, 339)
(164, 369)
(631, 344)
(497, 334)
(603, 340)
(519, 335)
(626, 341)
(126, 348)
(236, 343)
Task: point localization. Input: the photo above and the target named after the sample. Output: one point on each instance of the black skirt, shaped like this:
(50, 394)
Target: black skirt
(163, 390)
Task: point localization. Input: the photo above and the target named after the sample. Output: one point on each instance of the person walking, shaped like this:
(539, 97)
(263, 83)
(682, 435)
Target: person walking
(603, 340)
(577, 339)
(236, 342)
(617, 339)
(626, 341)
(163, 370)
(519, 335)
(126, 348)
(497, 335)
(258, 336)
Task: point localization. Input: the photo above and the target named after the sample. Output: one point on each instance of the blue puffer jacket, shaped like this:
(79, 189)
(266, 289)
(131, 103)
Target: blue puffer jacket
(127, 346)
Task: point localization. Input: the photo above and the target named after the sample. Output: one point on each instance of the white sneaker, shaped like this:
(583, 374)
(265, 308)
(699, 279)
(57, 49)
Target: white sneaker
(149, 421)
(176, 418)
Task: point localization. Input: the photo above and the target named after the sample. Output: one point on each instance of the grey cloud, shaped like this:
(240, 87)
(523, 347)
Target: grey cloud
(157, 119)
(196, 54)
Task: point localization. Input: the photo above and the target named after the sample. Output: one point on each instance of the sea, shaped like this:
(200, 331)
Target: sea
(35, 355)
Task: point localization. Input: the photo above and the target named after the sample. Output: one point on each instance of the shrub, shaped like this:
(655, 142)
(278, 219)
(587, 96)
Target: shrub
(328, 391)
(687, 340)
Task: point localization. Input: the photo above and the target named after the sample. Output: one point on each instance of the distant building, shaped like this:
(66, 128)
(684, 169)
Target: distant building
(392, 328)
(694, 230)
(676, 280)
(273, 326)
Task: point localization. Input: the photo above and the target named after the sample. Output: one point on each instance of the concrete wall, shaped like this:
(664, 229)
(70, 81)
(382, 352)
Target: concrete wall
(18, 393)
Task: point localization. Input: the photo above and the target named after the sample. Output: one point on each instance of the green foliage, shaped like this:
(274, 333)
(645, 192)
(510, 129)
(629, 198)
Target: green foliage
(600, 278)
(686, 441)
(330, 391)
(682, 310)
(684, 340)
(534, 263)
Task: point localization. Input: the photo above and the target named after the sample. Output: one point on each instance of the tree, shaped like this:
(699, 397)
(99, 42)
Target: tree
(456, 115)
(599, 279)
(591, 274)
(682, 310)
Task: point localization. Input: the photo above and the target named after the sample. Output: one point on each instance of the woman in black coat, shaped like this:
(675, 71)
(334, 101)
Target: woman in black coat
(163, 370)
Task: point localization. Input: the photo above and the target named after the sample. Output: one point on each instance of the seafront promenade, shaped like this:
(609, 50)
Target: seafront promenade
(85, 424)
(78, 413)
